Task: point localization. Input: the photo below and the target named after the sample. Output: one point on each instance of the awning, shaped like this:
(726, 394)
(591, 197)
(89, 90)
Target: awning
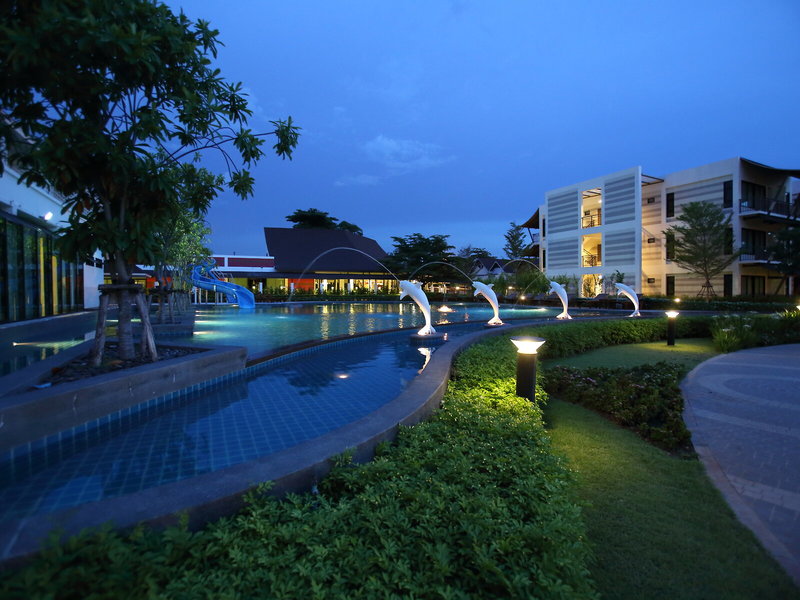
(533, 222)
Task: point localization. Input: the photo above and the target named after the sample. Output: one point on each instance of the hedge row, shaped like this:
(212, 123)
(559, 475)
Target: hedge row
(468, 504)
(646, 399)
(737, 332)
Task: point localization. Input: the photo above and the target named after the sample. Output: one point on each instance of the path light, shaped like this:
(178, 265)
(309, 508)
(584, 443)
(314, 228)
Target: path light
(526, 365)
(671, 315)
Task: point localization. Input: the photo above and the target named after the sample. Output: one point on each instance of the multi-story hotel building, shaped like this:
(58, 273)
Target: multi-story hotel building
(617, 222)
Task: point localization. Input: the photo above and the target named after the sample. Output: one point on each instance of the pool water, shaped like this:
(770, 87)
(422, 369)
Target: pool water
(269, 327)
(268, 408)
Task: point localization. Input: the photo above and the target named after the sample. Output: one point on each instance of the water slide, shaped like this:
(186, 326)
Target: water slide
(203, 277)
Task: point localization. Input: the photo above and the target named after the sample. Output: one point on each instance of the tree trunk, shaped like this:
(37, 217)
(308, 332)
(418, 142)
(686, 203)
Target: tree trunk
(100, 331)
(125, 326)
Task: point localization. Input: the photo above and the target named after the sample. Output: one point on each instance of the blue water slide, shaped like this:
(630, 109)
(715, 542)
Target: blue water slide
(203, 277)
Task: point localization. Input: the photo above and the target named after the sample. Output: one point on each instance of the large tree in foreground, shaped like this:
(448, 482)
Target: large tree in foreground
(114, 100)
(702, 243)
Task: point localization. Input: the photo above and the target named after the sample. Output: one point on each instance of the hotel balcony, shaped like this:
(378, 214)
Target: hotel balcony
(783, 210)
(593, 219)
(754, 255)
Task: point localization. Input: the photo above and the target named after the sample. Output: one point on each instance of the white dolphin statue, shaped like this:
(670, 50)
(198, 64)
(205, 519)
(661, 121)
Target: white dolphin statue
(558, 289)
(485, 290)
(413, 290)
(631, 294)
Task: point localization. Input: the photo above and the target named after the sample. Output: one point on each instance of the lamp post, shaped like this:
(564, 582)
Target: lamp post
(526, 365)
(671, 315)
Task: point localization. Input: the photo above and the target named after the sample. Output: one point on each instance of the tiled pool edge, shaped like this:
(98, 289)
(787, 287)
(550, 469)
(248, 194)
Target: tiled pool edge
(213, 495)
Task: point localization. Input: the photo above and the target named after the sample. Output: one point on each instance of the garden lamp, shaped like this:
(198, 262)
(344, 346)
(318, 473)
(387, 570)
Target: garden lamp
(526, 365)
(671, 315)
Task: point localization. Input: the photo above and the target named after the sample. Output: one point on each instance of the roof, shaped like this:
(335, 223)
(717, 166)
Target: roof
(295, 250)
(533, 222)
(788, 172)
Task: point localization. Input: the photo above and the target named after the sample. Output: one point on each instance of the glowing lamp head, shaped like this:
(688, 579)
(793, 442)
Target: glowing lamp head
(677, 299)
(798, 307)
(528, 345)
(672, 314)
(47, 216)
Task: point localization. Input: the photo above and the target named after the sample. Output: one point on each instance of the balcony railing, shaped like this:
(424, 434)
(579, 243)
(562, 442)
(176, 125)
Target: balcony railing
(592, 220)
(753, 254)
(591, 260)
(773, 207)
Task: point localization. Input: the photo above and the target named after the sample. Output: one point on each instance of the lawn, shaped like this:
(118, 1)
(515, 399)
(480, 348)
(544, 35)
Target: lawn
(689, 352)
(658, 526)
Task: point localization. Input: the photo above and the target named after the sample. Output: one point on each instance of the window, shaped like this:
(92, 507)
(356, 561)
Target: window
(544, 222)
(727, 194)
(671, 204)
(752, 285)
(754, 196)
(651, 200)
(670, 285)
(544, 259)
(728, 241)
(727, 285)
(670, 246)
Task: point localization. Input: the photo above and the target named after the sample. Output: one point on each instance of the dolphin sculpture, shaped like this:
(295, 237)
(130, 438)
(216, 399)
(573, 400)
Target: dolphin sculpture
(413, 290)
(558, 289)
(631, 294)
(485, 290)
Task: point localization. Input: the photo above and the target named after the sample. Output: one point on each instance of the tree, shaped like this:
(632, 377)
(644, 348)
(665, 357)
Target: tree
(115, 101)
(784, 250)
(703, 244)
(515, 241)
(313, 218)
(413, 251)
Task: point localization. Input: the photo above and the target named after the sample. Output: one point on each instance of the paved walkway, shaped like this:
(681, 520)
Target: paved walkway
(743, 410)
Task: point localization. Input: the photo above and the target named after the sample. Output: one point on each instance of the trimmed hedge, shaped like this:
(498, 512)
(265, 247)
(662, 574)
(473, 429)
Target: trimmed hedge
(646, 399)
(470, 504)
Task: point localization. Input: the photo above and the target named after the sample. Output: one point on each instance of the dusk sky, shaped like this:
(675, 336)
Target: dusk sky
(456, 117)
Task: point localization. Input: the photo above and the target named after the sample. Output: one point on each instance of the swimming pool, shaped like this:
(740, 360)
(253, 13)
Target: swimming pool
(263, 410)
(271, 326)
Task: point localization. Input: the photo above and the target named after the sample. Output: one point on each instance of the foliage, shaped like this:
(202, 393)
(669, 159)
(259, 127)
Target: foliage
(530, 280)
(411, 252)
(313, 218)
(737, 332)
(515, 241)
(185, 244)
(115, 100)
(570, 282)
(468, 504)
(703, 242)
(784, 250)
(608, 282)
(645, 398)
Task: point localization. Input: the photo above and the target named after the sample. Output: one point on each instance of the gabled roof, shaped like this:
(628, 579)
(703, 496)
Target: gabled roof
(295, 249)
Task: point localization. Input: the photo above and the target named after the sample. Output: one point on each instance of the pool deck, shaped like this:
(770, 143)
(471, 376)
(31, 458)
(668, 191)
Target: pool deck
(743, 410)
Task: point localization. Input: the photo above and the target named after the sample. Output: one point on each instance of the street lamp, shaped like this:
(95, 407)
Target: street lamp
(671, 314)
(526, 365)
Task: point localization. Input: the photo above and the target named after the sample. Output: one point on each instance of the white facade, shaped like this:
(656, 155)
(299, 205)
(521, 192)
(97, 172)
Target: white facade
(615, 224)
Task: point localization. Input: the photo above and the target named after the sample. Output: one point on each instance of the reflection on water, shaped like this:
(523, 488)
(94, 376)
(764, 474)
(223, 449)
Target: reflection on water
(269, 327)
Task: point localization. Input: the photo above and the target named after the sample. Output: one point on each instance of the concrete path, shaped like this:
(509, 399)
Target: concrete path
(743, 410)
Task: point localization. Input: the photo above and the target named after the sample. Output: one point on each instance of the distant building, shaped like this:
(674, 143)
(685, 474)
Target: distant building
(312, 260)
(489, 267)
(616, 222)
(35, 279)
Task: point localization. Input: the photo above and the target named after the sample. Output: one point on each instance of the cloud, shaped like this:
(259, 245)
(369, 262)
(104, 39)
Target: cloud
(404, 156)
(358, 180)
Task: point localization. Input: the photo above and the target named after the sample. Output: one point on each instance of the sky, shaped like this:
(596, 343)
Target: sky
(455, 117)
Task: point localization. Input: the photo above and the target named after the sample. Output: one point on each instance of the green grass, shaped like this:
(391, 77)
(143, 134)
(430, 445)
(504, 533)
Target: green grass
(689, 352)
(659, 527)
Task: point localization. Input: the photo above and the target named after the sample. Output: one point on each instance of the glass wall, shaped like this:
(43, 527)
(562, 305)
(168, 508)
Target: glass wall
(34, 280)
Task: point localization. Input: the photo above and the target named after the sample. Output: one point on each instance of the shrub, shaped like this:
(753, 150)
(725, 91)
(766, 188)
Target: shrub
(645, 399)
(737, 332)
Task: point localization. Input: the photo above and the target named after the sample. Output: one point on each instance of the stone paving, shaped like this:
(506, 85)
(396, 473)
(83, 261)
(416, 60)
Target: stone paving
(743, 410)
